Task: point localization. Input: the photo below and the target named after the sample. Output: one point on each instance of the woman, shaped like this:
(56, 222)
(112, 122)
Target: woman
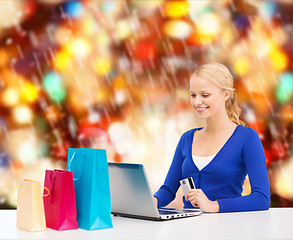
(219, 156)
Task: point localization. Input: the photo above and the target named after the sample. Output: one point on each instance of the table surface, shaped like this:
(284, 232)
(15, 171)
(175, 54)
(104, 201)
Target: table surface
(276, 223)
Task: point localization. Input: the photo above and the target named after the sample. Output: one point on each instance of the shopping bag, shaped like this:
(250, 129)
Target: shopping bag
(30, 214)
(60, 206)
(92, 188)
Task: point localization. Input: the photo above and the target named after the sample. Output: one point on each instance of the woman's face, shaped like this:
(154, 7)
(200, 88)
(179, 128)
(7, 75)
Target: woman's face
(207, 99)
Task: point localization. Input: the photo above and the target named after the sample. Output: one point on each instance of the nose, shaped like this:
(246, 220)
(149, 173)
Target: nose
(197, 101)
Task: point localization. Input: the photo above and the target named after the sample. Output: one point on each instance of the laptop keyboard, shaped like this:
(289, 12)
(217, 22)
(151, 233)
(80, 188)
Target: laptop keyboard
(167, 211)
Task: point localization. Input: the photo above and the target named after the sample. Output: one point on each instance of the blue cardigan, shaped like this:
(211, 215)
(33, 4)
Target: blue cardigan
(222, 179)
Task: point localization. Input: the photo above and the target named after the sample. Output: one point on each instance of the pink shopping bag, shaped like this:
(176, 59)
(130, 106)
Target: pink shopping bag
(60, 205)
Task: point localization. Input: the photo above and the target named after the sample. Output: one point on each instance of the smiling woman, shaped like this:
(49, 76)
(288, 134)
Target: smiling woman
(219, 156)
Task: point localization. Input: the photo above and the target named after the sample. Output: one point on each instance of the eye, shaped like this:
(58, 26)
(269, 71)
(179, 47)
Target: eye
(206, 95)
(192, 95)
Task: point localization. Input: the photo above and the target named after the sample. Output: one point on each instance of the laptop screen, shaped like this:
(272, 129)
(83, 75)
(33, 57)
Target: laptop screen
(130, 191)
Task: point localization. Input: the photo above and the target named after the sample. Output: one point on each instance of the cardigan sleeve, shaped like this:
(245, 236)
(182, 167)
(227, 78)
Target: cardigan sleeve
(254, 160)
(168, 190)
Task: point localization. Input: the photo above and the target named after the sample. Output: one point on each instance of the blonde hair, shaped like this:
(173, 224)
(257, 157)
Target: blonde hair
(220, 76)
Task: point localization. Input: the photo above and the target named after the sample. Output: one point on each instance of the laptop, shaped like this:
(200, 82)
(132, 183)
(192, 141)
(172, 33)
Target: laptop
(131, 195)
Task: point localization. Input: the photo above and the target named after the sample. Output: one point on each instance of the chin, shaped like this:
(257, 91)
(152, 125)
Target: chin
(202, 117)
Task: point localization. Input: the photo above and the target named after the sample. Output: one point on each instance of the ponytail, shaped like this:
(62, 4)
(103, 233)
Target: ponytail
(232, 109)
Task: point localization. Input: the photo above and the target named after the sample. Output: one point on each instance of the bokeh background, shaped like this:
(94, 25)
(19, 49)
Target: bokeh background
(115, 75)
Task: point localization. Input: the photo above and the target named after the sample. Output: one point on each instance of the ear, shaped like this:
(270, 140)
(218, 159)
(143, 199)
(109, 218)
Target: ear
(227, 93)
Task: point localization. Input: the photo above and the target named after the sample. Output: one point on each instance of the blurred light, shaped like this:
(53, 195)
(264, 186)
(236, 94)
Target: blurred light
(11, 13)
(279, 60)
(29, 92)
(145, 8)
(121, 135)
(10, 96)
(287, 114)
(4, 161)
(51, 2)
(283, 180)
(93, 137)
(44, 149)
(2, 125)
(102, 39)
(147, 4)
(59, 149)
(241, 66)
(27, 152)
(176, 9)
(41, 124)
(79, 47)
(260, 102)
(248, 115)
(241, 22)
(208, 24)
(279, 35)
(74, 9)
(3, 58)
(22, 114)
(62, 35)
(11, 78)
(108, 6)
(94, 117)
(103, 66)
(110, 9)
(52, 114)
(53, 86)
(122, 29)
(177, 29)
(119, 83)
(267, 9)
(197, 7)
(120, 97)
(264, 47)
(62, 60)
(88, 26)
(144, 50)
(279, 150)
(30, 8)
(259, 127)
(227, 36)
(285, 88)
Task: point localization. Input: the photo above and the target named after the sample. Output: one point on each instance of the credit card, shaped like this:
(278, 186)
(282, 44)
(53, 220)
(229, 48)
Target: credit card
(187, 184)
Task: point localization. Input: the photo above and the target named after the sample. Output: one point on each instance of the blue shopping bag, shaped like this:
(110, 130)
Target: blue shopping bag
(92, 188)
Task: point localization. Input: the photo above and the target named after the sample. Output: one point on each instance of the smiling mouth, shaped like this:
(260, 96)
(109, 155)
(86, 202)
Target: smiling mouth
(201, 109)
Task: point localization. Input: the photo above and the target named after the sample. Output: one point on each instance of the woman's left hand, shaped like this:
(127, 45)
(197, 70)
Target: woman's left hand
(199, 199)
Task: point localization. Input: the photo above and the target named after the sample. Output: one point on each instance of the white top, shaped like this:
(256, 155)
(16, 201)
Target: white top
(201, 162)
(275, 223)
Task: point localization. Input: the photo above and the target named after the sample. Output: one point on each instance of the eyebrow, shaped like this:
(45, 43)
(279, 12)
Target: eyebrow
(205, 90)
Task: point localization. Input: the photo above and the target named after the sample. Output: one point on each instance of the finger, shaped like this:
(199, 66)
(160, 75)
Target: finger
(194, 203)
(190, 194)
(193, 194)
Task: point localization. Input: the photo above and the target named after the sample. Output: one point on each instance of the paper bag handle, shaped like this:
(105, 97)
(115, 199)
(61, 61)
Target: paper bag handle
(48, 192)
(69, 165)
(22, 196)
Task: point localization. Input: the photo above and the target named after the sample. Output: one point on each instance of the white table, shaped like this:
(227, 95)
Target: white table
(276, 223)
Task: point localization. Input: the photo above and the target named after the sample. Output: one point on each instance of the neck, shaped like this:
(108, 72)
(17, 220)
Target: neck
(218, 124)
